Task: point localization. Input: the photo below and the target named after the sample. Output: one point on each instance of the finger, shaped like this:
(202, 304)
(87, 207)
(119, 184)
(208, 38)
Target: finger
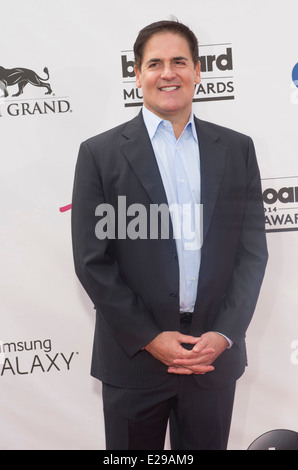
(179, 370)
(200, 345)
(188, 358)
(201, 369)
(197, 370)
(188, 339)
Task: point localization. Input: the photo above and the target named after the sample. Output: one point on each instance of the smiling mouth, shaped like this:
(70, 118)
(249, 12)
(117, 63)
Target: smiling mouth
(169, 88)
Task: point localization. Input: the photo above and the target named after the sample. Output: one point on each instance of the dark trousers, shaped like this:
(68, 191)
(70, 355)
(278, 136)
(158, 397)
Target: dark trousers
(137, 419)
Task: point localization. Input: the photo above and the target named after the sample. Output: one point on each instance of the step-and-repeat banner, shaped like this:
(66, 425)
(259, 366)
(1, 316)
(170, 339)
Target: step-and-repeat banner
(66, 73)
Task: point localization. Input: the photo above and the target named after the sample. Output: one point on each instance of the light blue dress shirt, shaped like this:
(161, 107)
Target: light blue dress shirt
(179, 165)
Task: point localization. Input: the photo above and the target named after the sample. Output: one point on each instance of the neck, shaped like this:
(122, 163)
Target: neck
(178, 121)
(178, 127)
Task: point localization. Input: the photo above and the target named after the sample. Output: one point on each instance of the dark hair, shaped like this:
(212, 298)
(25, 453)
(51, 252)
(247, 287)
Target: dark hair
(167, 26)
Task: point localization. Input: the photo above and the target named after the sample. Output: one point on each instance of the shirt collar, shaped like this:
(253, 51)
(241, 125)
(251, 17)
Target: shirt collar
(152, 122)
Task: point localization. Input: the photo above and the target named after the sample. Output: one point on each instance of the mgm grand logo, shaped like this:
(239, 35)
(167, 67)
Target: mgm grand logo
(280, 196)
(17, 79)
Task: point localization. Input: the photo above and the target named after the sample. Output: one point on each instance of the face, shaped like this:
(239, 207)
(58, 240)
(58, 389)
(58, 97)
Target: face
(168, 76)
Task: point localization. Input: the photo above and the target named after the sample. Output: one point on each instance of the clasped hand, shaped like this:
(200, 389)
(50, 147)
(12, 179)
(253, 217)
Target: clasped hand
(167, 348)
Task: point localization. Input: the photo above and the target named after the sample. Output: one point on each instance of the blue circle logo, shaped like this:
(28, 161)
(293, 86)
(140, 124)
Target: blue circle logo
(295, 75)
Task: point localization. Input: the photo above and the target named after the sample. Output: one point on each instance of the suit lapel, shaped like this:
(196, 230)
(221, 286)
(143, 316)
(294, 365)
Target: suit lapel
(138, 151)
(212, 158)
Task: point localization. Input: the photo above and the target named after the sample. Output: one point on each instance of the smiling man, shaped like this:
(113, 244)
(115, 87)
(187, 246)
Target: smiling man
(171, 314)
(167, 76)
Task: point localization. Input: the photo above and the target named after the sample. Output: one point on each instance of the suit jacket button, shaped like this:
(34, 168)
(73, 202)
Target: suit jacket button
(173, 295)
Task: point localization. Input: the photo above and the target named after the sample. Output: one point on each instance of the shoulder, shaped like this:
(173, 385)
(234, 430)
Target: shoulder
(112, 137)
(225, 134)
(104, 139)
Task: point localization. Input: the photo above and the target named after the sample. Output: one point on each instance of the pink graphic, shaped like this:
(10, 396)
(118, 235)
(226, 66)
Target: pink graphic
(65, 208)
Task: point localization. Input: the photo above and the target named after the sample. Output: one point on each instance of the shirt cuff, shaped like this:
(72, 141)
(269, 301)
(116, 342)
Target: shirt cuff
(228, 339)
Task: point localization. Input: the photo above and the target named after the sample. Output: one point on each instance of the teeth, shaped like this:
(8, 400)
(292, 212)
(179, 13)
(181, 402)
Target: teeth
(169, 88)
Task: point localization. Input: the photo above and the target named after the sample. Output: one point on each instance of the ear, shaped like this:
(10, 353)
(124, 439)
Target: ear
(138, 76)
(198, 73)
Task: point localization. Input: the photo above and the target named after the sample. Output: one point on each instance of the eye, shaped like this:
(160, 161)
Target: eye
(180, 63)
(153, 65)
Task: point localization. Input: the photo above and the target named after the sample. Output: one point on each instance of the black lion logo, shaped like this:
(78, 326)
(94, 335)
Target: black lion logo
(21, 77)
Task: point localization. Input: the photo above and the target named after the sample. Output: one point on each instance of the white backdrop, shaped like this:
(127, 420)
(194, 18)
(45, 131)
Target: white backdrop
(48, 399)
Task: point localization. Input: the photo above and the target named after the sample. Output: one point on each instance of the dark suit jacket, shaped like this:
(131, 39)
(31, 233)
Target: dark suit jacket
(134, 284)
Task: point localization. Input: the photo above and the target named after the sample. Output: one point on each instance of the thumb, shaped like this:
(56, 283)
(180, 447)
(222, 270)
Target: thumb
(187, 339)
(202, 344)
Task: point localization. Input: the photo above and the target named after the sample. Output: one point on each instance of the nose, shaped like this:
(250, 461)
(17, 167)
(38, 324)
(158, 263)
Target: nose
(167, 72)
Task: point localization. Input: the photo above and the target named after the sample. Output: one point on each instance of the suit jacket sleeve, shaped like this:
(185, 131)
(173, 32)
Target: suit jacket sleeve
(126, 315)
(241, 296)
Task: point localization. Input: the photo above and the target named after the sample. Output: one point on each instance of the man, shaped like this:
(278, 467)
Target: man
(172, 312)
